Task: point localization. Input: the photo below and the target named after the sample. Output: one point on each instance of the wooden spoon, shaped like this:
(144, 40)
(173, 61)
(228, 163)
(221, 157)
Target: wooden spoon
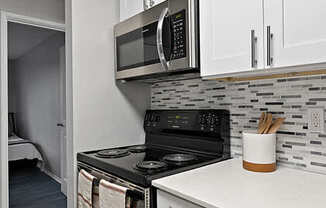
(262, 127)
(268, 123)
(276, 125)
(261, 121)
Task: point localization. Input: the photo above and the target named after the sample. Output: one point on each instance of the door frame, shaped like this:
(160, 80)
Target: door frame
(62, 120)
(6, 17)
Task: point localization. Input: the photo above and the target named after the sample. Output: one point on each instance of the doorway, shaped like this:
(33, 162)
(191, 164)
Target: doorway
(33, 107)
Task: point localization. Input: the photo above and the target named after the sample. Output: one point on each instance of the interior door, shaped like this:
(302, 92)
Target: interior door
(298, 29)
(62, 123)
(226, 36)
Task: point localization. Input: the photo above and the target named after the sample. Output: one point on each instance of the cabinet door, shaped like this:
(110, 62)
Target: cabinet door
(130, 8)
(299, 31)
(166, 200)
(225, 33)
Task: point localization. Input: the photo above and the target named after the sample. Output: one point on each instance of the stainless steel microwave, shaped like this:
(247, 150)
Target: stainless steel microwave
(159, 41)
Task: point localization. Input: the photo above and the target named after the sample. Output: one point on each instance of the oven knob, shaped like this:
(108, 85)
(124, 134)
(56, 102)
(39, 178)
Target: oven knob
(151, 118)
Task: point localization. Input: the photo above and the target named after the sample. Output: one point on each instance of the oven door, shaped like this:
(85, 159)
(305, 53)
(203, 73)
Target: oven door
(136, 196)
(137, 51)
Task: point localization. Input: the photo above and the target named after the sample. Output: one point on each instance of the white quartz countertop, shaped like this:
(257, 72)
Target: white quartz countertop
(228, 185)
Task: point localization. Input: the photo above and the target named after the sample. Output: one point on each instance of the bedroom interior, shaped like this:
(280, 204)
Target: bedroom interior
(36, 116)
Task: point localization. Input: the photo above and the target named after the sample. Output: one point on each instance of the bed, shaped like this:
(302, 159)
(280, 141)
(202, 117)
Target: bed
(19, 148)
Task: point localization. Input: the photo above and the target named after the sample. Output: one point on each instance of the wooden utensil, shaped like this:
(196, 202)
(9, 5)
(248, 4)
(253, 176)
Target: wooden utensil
(267, 123)
(261, 121)
(262, 124)
(276, 125)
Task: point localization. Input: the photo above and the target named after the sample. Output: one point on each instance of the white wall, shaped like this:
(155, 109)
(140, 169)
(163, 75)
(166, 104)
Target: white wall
(52, 10)
(104, 115)
(36, 88)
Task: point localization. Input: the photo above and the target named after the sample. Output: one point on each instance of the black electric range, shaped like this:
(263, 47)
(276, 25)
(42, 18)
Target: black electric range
(176, 141)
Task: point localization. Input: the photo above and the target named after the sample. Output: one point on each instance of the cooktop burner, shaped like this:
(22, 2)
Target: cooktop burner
(151, 165)
(114, 153)
(179, 158)
(138, 149)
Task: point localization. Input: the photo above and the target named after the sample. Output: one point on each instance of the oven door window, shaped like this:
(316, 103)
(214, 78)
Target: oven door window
(139, 47)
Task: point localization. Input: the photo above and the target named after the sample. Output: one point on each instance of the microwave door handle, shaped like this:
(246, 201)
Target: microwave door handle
(159, 38)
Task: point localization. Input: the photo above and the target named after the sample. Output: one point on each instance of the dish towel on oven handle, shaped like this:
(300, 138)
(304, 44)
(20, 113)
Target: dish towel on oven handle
(85, 189)
(112, 195)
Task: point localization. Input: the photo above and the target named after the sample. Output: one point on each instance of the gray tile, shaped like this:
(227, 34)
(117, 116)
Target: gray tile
(287, 98)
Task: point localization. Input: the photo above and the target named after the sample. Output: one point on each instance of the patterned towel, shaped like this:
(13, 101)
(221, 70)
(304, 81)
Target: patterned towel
(112, 195)
(85, 189)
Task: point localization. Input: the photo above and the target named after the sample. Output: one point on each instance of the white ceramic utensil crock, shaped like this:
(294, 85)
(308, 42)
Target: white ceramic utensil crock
(259, 152)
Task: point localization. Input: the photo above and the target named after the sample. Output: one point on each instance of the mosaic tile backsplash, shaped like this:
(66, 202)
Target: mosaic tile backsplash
(297, 147)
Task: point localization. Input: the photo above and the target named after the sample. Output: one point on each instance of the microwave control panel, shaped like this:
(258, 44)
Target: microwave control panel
(178, 22)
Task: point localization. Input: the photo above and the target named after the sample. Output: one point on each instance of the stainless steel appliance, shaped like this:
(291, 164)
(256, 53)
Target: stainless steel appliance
(176, 141)
(159, 41)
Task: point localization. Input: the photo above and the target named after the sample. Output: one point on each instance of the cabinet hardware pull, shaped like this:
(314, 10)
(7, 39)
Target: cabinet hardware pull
(148, 4)
(253, 49)
(269, 39)
(159, 39)
(152, 2)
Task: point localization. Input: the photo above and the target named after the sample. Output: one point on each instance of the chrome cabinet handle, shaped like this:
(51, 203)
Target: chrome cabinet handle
(269, 39)
(148, 4)
(152, 2)
(253, 49)
(159, 39)
(145, 4)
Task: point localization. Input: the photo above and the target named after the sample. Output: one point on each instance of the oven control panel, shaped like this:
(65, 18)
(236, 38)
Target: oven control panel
(186, 120)
(178, 23)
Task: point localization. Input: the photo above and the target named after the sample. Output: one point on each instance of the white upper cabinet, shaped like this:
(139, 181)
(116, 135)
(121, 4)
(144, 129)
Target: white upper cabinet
(289, 33)
(129, 8)
(299, 31)
(231, 34)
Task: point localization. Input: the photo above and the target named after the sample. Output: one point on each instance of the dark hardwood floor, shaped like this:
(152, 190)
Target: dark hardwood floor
(31, 188)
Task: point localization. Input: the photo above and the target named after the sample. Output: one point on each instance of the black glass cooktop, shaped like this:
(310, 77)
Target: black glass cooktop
(144, 163)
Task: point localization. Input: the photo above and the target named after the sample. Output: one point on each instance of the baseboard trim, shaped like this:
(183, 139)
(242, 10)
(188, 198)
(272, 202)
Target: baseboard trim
(54, 177)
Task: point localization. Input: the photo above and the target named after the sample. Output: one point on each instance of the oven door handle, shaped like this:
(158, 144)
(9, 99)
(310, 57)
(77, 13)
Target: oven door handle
(159, 38)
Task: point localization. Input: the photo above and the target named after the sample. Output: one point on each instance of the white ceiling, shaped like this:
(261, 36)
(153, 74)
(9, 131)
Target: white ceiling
(23, 38)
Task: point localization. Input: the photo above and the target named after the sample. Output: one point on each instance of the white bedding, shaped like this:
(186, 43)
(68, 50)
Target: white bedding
(19, 149)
